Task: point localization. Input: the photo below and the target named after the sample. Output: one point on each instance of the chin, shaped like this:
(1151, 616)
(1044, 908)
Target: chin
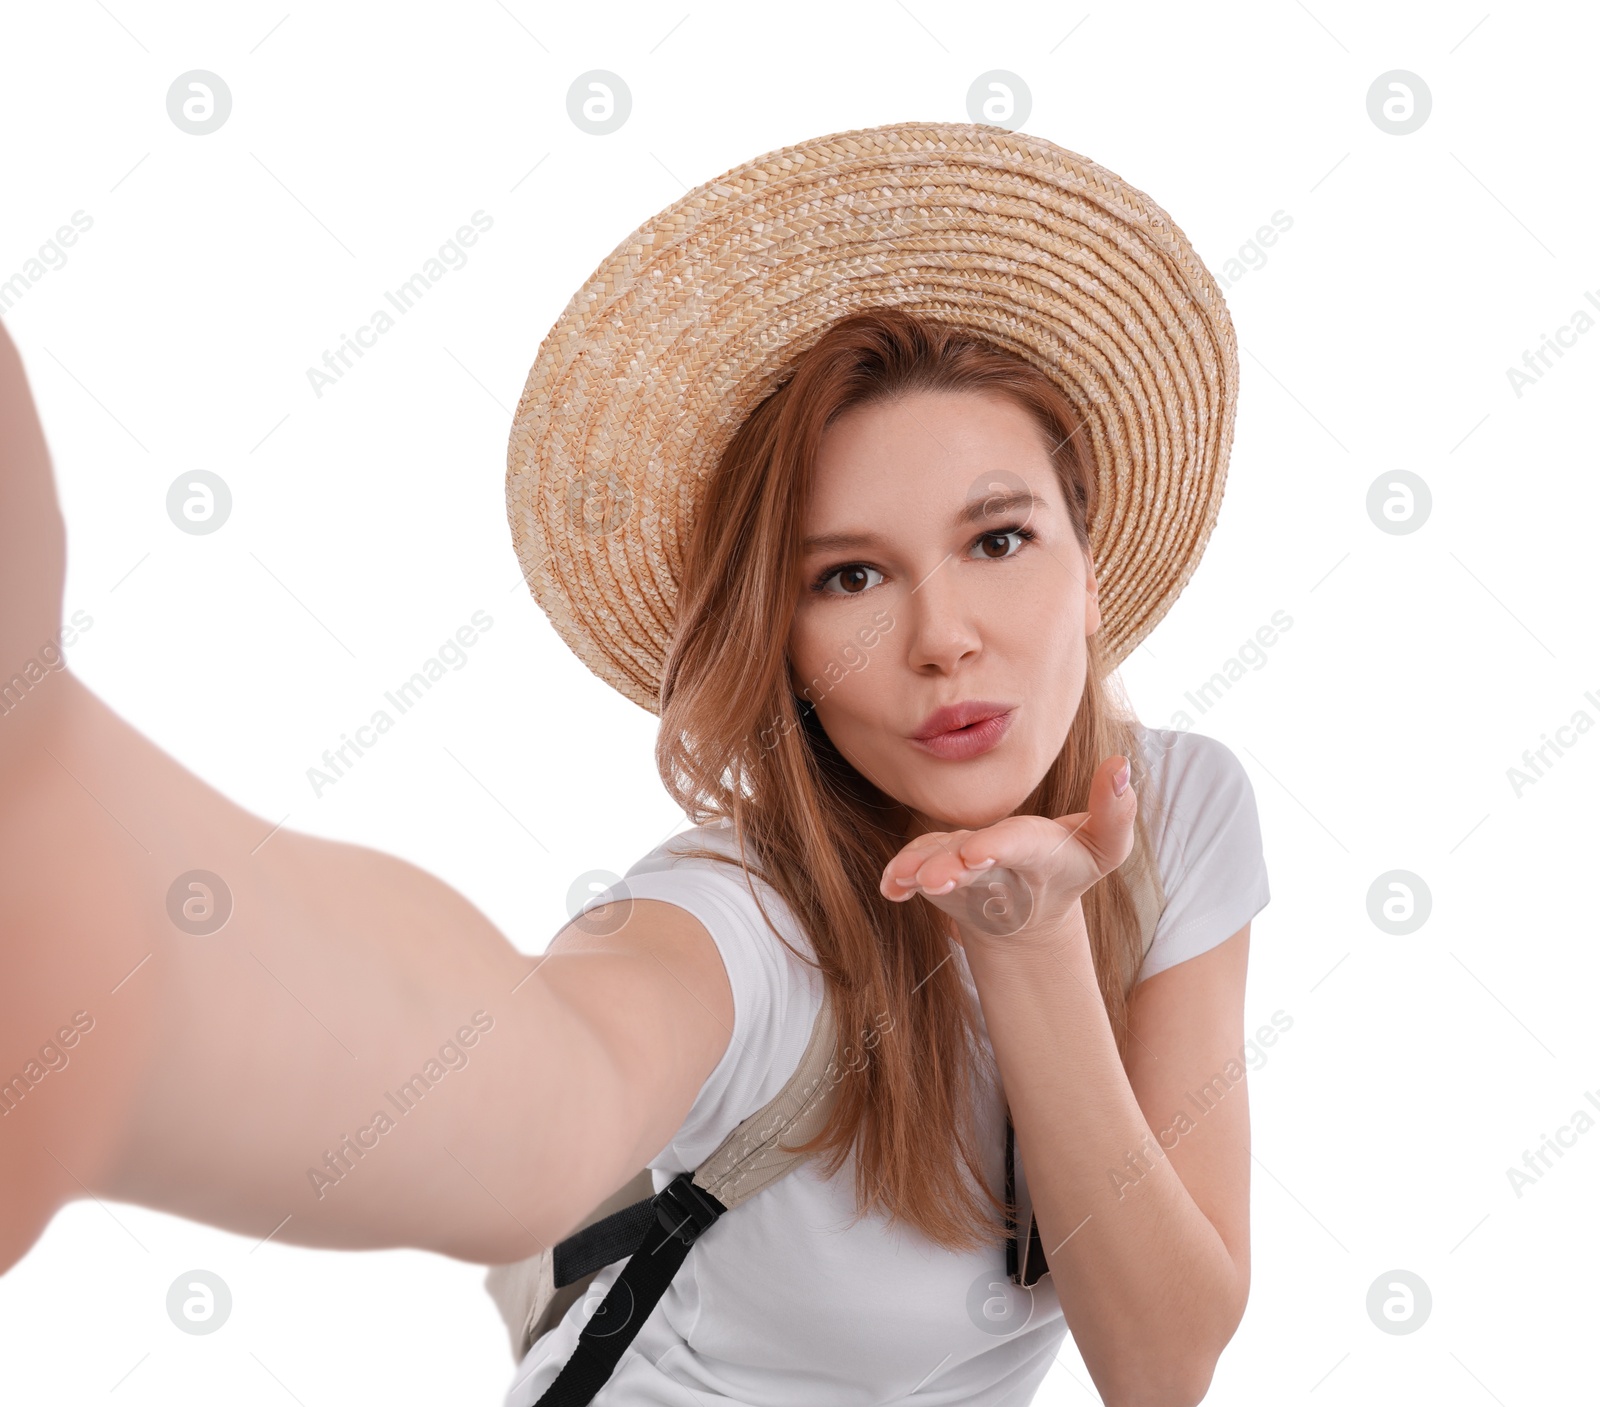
(969, 813)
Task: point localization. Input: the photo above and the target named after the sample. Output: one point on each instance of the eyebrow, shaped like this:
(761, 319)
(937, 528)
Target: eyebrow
(977, 511)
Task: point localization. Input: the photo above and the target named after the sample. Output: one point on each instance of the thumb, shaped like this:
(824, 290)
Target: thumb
(1107, 827)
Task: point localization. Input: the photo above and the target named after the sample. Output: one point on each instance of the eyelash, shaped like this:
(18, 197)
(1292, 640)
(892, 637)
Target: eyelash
(820, 581)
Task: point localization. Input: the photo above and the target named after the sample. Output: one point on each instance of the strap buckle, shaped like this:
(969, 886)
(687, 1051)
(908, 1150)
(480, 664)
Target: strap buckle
(684, 1209)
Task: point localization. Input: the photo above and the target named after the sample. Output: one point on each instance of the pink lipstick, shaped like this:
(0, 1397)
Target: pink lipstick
(959, 731)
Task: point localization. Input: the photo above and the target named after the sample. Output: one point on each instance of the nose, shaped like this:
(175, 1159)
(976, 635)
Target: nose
(940, 629)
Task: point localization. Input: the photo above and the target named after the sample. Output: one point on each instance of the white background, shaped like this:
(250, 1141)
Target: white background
(369, 523)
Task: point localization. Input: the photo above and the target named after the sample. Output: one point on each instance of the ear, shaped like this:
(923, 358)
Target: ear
(1091, 587)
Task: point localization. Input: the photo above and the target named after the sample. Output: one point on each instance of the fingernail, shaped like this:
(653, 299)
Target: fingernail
(983, 864)
(1119, 783)
(905, 883)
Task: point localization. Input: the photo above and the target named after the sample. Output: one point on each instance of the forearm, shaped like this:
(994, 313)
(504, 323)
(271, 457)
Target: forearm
(1145, 1282)
(222, 1068)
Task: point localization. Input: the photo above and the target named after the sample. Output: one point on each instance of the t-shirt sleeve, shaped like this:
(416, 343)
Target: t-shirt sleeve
(775, 999)
(1208, 850)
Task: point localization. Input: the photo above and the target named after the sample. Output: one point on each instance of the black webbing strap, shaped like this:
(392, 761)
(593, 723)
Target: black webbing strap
(608, 1239)
(1011, 1196)
(681, 1212)
(1038, 1268)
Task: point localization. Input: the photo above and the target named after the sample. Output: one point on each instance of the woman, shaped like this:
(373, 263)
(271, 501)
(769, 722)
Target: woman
(932, 808)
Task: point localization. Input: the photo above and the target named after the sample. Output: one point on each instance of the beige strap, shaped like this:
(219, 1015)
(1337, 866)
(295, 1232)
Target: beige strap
(525, 1290)
(752, 1157)
(1149, 899)
(755, 1154)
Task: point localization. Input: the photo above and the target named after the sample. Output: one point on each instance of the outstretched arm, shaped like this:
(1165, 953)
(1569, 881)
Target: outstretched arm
(357, 1057)
(33, 559)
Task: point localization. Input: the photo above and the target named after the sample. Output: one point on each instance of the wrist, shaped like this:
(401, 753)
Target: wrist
(1050, 936)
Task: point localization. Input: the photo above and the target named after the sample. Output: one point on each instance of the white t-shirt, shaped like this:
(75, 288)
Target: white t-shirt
(778, 1304)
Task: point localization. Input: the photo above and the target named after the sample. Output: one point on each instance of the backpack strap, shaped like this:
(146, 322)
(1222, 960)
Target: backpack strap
(534, 1295)
(530, 1298)
(747, 1160)
(751, 1157)
(1149, 900)
(659, 1227)
(1025, 1262)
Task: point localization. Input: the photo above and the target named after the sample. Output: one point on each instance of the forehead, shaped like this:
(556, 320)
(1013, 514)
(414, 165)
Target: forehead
(925, 454)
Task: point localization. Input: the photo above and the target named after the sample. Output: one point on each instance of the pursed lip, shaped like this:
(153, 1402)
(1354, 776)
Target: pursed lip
(960, 715)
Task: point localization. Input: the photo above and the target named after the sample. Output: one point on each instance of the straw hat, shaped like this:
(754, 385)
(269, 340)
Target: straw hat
(689, 322)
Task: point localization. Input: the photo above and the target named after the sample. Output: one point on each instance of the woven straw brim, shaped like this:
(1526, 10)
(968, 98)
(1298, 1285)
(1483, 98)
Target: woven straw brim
(686, 326)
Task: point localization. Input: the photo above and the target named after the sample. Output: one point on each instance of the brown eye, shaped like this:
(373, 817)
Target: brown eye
(856, 573)
(1024, 534)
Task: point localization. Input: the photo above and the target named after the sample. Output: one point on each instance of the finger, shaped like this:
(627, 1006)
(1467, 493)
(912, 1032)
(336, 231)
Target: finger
(938, 866)
(899, 877)
(1021, 843)
(1105, 830)
(944, 872)
(966, 855)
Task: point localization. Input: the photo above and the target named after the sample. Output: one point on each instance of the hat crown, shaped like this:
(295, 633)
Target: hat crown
(691, 320)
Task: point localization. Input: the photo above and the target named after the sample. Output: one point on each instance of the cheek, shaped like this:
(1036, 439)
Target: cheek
(803, 652)
(831, 668)
(1047, 633)
(814, 670)
(1054, 657)
(826, 652)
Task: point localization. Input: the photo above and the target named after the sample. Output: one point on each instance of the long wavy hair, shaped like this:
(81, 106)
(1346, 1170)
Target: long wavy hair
(736, 742)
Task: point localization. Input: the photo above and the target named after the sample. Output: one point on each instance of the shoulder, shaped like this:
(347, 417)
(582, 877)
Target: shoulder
(1192, 788)
(1200, 809)
(722, 884)
(776, 994)
(1180, 761)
